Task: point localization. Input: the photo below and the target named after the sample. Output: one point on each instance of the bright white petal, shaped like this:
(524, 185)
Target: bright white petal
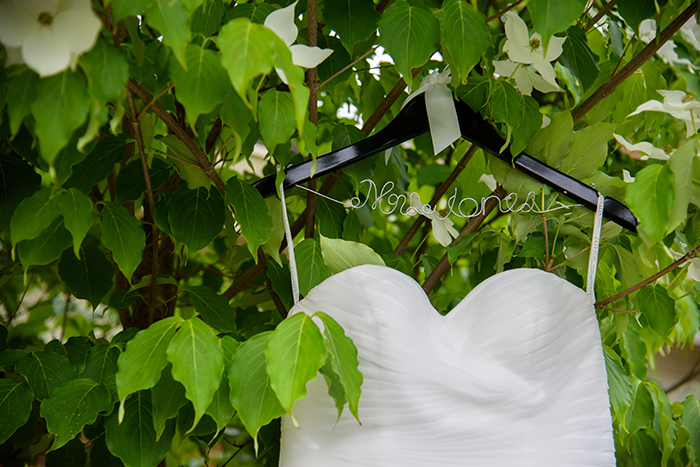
(282, 23)
(542, 84)
(653, 106)
(694, 270)
(518, 53)
(489, 181)
(504, 68)
(626, 176)
(522, 77)
(643, 147)
(545, 121)
(34, 7)
(554, 49)
(546, 71)
(77, 28)
(647, 30)
(308, 57)
(441, 232)
(282, 76)
(15, 24)
(65, 5)
(672, 97)
(45, 53)
(690, 34)
(516, 29)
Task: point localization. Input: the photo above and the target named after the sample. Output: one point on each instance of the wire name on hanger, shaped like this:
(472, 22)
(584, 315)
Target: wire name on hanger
(409, 204)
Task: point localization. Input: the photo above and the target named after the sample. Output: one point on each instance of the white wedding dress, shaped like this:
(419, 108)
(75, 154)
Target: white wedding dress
(513, 376)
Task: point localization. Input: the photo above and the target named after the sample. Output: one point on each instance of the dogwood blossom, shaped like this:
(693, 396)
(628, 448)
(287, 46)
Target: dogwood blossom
(647, 33)
(281, 22)
(50, 34)
(645, 148)
(524, 49)
(677, 104)
(443, 229)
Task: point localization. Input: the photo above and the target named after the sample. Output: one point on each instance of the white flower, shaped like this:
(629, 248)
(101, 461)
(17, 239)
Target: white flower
(677, 104)
(525, 78)
(489, 181)
(442, 227)
(281, 22)
(50, 33)
(691, 33)
(694, 270)
(647, 33)
(645, 148)
(626, 176)
(526, 49)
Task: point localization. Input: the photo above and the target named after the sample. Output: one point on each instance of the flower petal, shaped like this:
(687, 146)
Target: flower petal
(15, 24)
(65, 5)
(554, 49)
(516, 29)
(649, 106)
(643, 147)
(545, 121)
(489, 181)
(441, 233)
(34, 7)
(78, 28)
(547, 71)
(308, 57)
(522, 77)
(45, 53)
(626, 176)
(694, 270)
(542, 84)
(282, 23)
(14, 56)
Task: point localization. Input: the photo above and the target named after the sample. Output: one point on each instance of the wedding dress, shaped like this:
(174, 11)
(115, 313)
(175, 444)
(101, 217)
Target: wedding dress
(513, 376)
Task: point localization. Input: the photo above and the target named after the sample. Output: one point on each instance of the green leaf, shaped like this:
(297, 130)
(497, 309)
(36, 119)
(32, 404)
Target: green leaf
(618, 384)
(34, 214)
(47, 247)
(134, 439)
(121, 8)
(339, 254)
(131, 183)
(335, 63)
(506, 106)
(251, 393)
(465, 35)
(60, 107)
(553, 142)
(236, 114)
(106, 70)
(295, 77)
(658, 309)
(690, 420)
(462, 246)
(579, 58)
(410, 34)
(98, 164)
(19, 181)
(220, 408)
(295, 352)
(70, 455)
(255, 12)
(641, 412)
(195, 217)
(276, 114)
(76, 209)
(203, 85)
(651, 198)
(145, 357)
(172, 20)
(251, 213)
(310, 265)
(101, 366)
(681, 164)
(89, 277)
(45, 371)
(272, 246)
(247, 50)
(532, 121)
(124, 237)
(193, 175)
(168, 399)
(100, 455)
(335, 386)
(343, 360)
(214, 308)
(72, 406)
(636, 11)
(354, 20)
(550, 16)
(476, 92)
(15, 406)
(206, 19)
(21, 92)
(589, 150)
(198, 363)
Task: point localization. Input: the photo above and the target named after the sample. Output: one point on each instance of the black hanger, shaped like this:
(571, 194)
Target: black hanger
(412, 121)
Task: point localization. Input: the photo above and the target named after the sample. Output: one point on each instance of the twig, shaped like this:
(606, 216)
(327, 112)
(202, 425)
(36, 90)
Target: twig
(382, 5)
(19, 304)
(275, 298)
(603, 11)
(151, 200)
(691, 374)
(439, 192)
(65, 316)
(503, 11)
(149, 104)
(619, 62)
(637, 61)
(312, 83)
(471, 227)
(236, 453)
(178, 159)
(546, 241)
(570, 259)
(687, 257)
(346, 68)
(180, 133)
(618, 310)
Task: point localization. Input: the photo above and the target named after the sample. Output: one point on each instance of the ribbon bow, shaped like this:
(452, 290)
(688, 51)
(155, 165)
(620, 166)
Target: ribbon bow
(440, 106)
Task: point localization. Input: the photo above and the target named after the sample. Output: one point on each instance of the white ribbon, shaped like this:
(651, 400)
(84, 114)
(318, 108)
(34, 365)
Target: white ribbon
(595, 245)
(290, 247)
(440, 106)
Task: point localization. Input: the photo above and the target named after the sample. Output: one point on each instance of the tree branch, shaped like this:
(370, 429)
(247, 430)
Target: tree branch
(637, 61)
(603, 11)
(180, 133)
(503, 11)
(471, 227)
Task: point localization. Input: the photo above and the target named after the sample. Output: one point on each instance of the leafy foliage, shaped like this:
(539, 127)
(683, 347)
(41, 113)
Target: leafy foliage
(126, 204)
